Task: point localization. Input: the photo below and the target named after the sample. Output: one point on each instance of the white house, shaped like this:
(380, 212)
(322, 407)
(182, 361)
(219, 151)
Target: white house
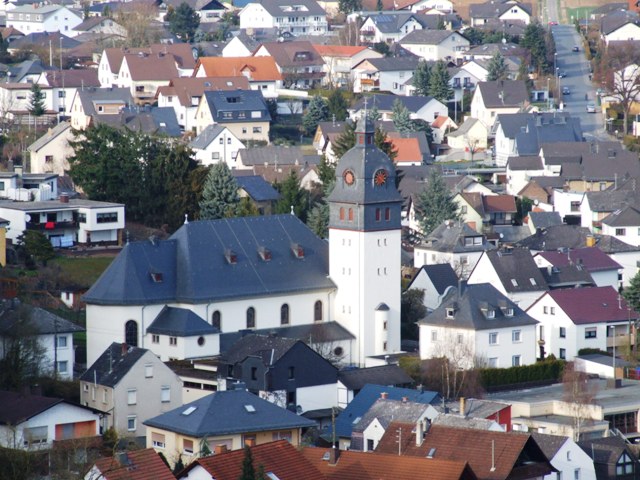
(299, 17)
(623, 224)
(388, 74)
(64, 84)
(620, 26)
(388, 28)
(437, 281)
(576, 318)
(502, 96)
(505, 11)
(566, 456)
(434, 45)
(216, 144)
(50, 152)
(424, 108)
(479, 326)
(37, 17)
(340, 60)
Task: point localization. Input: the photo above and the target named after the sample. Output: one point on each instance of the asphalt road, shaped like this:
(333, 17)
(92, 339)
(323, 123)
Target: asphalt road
(576, 67)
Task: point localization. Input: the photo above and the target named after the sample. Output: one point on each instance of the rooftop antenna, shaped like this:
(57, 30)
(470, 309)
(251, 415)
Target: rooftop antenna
(186, 218)
(292, 212)
(127, 234)
(399, 441)
(493, 456)
(365, 108)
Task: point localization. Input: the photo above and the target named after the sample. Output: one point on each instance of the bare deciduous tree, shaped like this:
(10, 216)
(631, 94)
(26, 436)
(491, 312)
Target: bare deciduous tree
(579, 395)
(620, 69)
(137, 19)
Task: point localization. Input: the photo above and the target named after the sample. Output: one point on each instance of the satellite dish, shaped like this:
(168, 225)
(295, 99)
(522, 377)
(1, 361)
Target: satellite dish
(536, 202)
(501, 236)
(27, 218)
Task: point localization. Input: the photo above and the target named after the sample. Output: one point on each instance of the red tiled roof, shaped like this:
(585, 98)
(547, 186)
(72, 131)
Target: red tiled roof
(257, 68)
(139, 465)
(338, 50)
(187, 87)
(152, 67)
(353, 465)
(439, 121)
(592, 305)
(591, 258)
(408, 149)
(180, 51)
(511, 451)
(499, 203)
(279, 457)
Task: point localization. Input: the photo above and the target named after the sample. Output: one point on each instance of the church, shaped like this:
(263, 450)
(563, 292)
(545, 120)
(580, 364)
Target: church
(193, 294)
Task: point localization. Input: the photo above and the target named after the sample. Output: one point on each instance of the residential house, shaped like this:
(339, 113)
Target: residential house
(624, 224)
(41, 40)
(27, 71)
(513, 272)
(566, 457)
(260, 193)
(386, 73)
(208, 10)
(65, 222)
(475, 413)
(440, 127)
(360, 404)
(90, 104)
(539, 219)
(53, 334)
(466, 76)
(130, 385)
(29, 421)
(509, 11)
(36, 17)
(620, 26)
(300, 65)
(443, 6)
(437, 282)
(520, 454)
(472, 133)
(479, 326)
(501, 96)
(304, 17)
(573, 319)
(609, 202)
(326, 134)
(262, 72)
(233, 418)
(284, 371)
(454, 243)
(27, 187)
(423, 108)
(100, 25)
(388, 27)
(520, 168)
(410, 150)
(434, 45)
(146, 464)
(183, 94)
(143, 74)
(243, 112)
(112, 58)
(49, 153)
(612, 457)
(15, 99)
(605, 271)
(216, 144)
(352, 381)
(279, 459)
(273, 157)
(64, 84)
(340, 60)
(471, 210)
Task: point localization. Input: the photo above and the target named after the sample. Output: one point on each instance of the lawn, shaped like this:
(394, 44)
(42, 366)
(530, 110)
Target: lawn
(578, 12)
(83, 271)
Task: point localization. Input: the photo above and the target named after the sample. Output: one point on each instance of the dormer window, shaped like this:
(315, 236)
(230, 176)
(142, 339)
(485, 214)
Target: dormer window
(450, 313)
(265, 254)
(508, 312)
(297, 250)
(230, 256)
(156, 277)
(490, 313)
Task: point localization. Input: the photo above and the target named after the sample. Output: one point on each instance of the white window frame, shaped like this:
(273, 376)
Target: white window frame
(132, 396)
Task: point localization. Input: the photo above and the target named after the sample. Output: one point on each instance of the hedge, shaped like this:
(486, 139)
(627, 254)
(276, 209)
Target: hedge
(541, 371)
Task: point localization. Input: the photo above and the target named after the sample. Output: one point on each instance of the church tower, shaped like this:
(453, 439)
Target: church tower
(364, 246)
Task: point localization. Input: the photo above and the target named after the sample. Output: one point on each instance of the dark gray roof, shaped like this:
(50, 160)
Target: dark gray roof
(208, 135)
(606, 451)
(614, 165)
(88, 96)
(572, 236)
(42, 39)
(427, 37)
(528, 162)
(386, 411)
(545, 219)
(517, 270)
(194, 267)
(546, 128)
(389, 64)
(225, 413)
(270, 348)
(113, 364)
(464, 128)
(611, 200)
(384, 102)
(624, 217)
(442, 276)
(240, 103)
(450, 237)
(275, 8)
(609, 7)
(180, 322)
(549, 444)
(471, 309)
(567, 276)
(312, 333)
(616, 19)
(490, 49)
(273, 155)
(605, 360)
(392, 22)
(28, 67)
(495, 8)
(356, 379)
(504, 93)
(257, 188)
(40, 320)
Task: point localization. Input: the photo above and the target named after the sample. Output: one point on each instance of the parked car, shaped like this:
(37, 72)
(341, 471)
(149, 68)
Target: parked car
(553, 23)
(576, 49)
(566, 91)
(562, 73)
(591, 107)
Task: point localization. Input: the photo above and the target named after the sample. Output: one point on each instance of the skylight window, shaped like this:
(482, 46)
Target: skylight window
(156, 277)
(250, 408)
(533, 281)
(514, 282)
(356, 420)
(431, 453)
(189, 411)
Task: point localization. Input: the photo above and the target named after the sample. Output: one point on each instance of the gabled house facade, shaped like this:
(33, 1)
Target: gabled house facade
(298, 62)
(384, 74)
(493, 98)
(434, 45)
(299, 17)
(437, 282)
(216, 144)
(262, 72)
(340, 60)
(43, 18)
(49, 153)
(507, 11)
(388, 27)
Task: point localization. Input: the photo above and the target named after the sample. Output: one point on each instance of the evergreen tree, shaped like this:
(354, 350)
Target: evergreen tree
(381, 141)
(439, 87)
(248, 470)
(434, 204)
(337, 105)
(374, 114)
(292, 195)
(379, 5)
(349, 6)
(220, 193)
(326, 171)
(421, 78)
(272, 106)
(318, 219)
(497, 68)
(420, 125)
(441, 25)
(534, 40)
(183, 21)
(402, 117)
(37, 246)
(345, 141)
(382, 47)
(36, 101)
(632, 293)
(317, 112)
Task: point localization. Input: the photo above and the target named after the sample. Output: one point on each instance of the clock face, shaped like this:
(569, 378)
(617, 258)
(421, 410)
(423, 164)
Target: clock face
(380, 177)
(349, 177)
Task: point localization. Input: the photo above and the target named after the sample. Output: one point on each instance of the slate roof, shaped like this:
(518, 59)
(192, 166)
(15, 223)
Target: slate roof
(625, 217)
(449, 237)
(495, 9)
(279, 458)
(550, 444)
(269, 348)
(391, 22)
(471, 310)
(490, 49)
(601, 167)
(273, 154)
(287, 54)
(276, 8)
(49, 136)
(427, 37)
(73, 78)
(386, 411)
(237, 102)
(393, 64)
(194, 268)
(463, 129)
(517, 454)
(591, 259)
(356, 379)
(258, 188)
(613, 199)
(180, 322)
(147, 464)
(503, 93)
(113, 364)
(616, 19)
(384, 102)
(28, 67)
(226, 413)
(544, 219)
(187, 87)
(18, 407)
(605, 451)
(43, 39)
(516, 270)
(368, 395)
(441, 275)
(38, 319)
(572, 236)
(208, 135)
(89, 96)
(569, 276)
(592, 305)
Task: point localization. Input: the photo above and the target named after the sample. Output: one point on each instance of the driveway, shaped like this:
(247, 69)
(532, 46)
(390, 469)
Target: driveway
(576, 67)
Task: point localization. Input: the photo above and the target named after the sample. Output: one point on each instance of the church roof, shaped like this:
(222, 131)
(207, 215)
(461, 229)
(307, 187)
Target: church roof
(217, 260)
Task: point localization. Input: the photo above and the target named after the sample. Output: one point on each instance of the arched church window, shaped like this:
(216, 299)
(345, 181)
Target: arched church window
(351, 214)
(251, 317)
(317, 311)
(341, 213)
(216, 320)
(284, 314)
(131, 333)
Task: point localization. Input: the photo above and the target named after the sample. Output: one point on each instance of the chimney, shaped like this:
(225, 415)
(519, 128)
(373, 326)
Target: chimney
(419, 433)
(549, 270)
(404, 399)
(64, 198)
(125, 348)
(462, 405)
(221, 448)
(384, 395)
(334, 455)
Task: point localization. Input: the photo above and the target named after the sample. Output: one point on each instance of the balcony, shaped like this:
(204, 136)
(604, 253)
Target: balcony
(621, 341)
(367, 33)
(369, 82)
(51, 226)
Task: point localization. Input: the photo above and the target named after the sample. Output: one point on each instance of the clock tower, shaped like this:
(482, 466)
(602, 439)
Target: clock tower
(364, 246)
